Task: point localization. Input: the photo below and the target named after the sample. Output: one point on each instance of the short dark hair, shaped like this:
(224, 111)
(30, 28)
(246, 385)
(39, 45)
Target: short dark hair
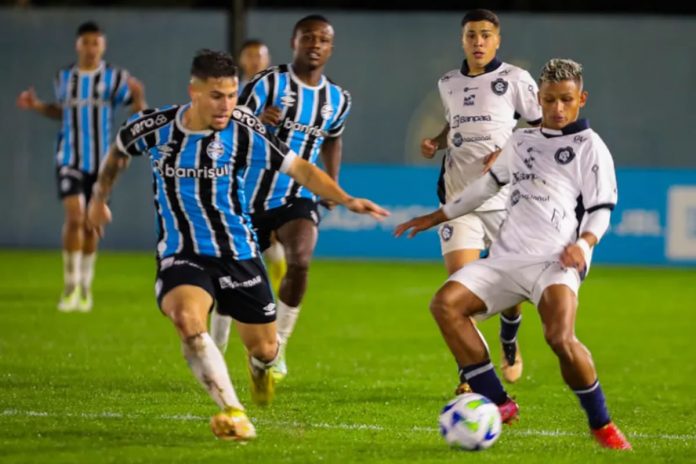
(209, 63)
(306, 19)
(252, 43)
(481, 14)
(88, 27)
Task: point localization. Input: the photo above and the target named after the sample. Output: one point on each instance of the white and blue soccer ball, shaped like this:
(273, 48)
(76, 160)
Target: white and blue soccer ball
(470, 422)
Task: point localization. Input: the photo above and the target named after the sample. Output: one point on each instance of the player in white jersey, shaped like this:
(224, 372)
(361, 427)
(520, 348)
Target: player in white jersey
(563, 190)
(482, 100)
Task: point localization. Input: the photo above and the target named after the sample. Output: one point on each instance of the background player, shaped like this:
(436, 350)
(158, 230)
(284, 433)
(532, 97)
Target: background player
(482, 101)
(86, 93)
(558, 211)
(206, 249)
(307, 111)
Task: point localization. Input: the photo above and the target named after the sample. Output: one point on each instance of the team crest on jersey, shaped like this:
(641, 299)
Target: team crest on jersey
(499, 86)
(515, 197)
(288, 99)
(326, 111)
(564, 155)
(215, 150)
(446, 232)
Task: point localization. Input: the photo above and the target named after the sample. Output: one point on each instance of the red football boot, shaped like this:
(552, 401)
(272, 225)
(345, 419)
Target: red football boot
(611, 437)
(509, 411)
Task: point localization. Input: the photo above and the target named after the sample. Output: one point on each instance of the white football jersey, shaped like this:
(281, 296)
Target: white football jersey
(481, 112)
(555, 177)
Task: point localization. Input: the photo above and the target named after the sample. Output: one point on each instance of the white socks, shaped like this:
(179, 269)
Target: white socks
(208, 365)
(71, 269)
(87, 271)
(275, 252)
(220, 329)
(286, 319)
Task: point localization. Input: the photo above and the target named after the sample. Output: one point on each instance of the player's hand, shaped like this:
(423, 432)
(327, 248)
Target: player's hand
(27, 100)
(489, 160)
(328, 204)
(137, 89)
(428, 148)
(420, 223)
(365, 206)
(573, 256)
(98, 215)
(271, 116)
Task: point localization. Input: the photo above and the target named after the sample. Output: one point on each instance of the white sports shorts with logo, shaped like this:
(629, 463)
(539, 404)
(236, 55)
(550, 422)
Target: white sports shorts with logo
(504, 281)
(474, 231)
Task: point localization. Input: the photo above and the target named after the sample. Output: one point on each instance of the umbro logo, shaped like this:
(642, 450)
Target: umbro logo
(288, 99)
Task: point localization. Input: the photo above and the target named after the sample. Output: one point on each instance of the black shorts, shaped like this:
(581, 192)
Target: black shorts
(266, 222)
(74, 182)
(240, 288)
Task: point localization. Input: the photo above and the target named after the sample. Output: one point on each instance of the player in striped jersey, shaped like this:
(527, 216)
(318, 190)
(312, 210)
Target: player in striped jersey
(254, 57)
(307, 111)
(86, 94)
(206, 251)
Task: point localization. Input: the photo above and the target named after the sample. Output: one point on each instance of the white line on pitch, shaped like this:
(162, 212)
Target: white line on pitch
(318, 425)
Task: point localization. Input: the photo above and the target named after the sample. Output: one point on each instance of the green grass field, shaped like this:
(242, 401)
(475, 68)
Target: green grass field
(368, 372)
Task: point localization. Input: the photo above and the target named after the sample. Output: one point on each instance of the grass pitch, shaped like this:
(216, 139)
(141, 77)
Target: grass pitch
(368, 372)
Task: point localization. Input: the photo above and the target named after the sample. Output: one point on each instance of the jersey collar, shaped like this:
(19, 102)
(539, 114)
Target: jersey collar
(572, 128)
(494, 64)
(180, 123)
(297, 80)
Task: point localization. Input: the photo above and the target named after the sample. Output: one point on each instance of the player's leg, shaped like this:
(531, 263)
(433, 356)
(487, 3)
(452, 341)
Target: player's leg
(510, 319)
(261, 342)
(185, 297)
(73, 239)
(298, 237)
(276, 263)
(452, 307)
(89, 251)
(461, 242)
(557, 308)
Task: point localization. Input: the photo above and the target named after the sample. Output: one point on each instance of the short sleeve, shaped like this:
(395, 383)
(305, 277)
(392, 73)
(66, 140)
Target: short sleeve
(122, 93)
(526, 103)
(599, 188)
(339, 124)
(500, 171)
(135, 135)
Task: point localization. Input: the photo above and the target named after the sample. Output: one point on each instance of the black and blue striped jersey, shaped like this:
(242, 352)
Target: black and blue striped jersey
(88, 100)
(198, 178)
(309, 115)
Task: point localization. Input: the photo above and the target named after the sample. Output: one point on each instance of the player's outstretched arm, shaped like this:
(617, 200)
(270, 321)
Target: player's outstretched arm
(322, 185)
(420, 223)
(98, 212)
(28, 100)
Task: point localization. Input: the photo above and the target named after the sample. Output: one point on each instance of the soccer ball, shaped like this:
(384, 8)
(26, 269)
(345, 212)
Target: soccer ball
(470, 422)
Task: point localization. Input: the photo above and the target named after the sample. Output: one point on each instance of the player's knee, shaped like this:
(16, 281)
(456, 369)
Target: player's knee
(298, 268)
(444, 307)
(264, 350)
(184, 318)
(561, 342)
(74, 221)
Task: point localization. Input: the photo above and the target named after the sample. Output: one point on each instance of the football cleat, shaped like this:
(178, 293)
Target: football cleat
(509, 411)
(511, 362)
(262, 384)
(463, 388)
(276, 272)
(69, 301)
(611, 437)
(84, 303)
(232, 424)
(280, 369)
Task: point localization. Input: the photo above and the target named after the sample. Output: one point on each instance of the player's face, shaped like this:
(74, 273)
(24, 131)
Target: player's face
(213, 100)
(480, 40)
(312, 44)
(561, 102)
(254, 59)
(90, 48)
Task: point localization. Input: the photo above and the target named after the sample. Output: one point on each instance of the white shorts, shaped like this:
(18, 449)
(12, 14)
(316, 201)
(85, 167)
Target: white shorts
(474, 231)
(504, 281)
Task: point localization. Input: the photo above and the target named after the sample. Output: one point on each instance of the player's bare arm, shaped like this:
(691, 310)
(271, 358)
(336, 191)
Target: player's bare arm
(27, 100)
(271, 116)
(321, 184)
(576, 254)
(420, 223)
(331, 153)
(137, 90)
(430, 146)
(489, 160)
(98, 212)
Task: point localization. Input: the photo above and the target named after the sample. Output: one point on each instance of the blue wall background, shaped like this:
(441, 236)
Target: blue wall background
(640, 73)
